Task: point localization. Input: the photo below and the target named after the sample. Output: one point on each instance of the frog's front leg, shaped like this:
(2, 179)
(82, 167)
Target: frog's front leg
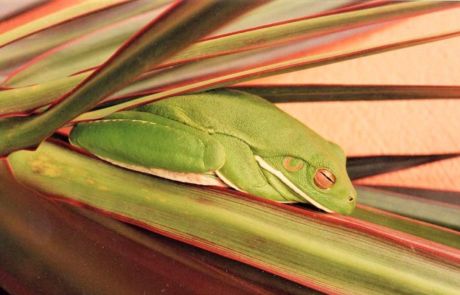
(241, 170)
(150, 143)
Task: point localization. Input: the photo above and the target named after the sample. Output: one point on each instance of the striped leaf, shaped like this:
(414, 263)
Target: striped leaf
(330, 253)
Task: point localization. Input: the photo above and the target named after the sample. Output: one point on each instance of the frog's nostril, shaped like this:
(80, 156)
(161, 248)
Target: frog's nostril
(350, 198)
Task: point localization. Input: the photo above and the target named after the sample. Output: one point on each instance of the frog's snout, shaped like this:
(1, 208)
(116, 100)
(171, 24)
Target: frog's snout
(350, 203)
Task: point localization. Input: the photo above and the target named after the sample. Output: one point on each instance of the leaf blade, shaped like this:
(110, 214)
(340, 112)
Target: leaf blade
(414, 227)
(240, 41)
(229, 225)
(440, 213)
(225, 79)
(26, 47)
(84, 243)
(213, 47)
(54, 19)
(360, 167)
(83, 52)
(172, 31)
(218, 46)
(451, 197)
(336, 92)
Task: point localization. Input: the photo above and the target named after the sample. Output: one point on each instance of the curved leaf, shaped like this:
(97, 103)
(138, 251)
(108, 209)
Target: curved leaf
(210, 67)
(61, 63)
(418, 228)
(431, 211)
(450, 197)
(40, 24)
(222, 77)
(328, 252)
(70, 251)
(85, 52)
(184, 23)
(280, 11)
(54, 29)
(28, 99)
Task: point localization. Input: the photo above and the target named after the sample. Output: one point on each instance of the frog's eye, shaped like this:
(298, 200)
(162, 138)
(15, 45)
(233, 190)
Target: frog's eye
(292, 164)
(324, 178)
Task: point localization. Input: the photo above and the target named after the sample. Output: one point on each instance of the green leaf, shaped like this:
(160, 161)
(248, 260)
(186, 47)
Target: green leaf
(24, 42)
(65, 248)
(78, 54)
(450, 197)
(228, 65)
(181, 25)
(300, 39)
(70, 58)
(280, 11)
(333, 92)
(430, 211)
(411, 226)
(27, 99)
(54, 19)
(62, 62)
(360, 167)
(76, 57)
(231, 45)
(218, 76)
(328, 252)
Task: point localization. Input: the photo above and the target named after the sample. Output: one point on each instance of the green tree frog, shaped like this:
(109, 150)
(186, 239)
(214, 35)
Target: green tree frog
(225, 137)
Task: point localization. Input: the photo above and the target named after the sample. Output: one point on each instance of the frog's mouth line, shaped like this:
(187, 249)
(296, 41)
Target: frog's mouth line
(291, 185)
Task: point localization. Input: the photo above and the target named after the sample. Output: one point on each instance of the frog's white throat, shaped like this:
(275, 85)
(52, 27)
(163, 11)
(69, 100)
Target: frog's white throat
(289, 183)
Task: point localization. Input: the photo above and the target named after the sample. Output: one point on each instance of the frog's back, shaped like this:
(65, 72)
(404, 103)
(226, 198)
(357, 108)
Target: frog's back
(247, 117)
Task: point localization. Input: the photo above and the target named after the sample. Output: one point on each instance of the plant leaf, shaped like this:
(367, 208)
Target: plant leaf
(74, 56)
(280, 11)
(27, 99)
(430, 211)
(206, 69)
(408, 225)
(60, 62)
(328, 252)
(66, 248)
(54, 19)
(221, 78)
(52, 30)
(81, 53)
(35, 96)
(450, 197)
(360, 167)
(333, 92)
(11, 9)
(175, 29)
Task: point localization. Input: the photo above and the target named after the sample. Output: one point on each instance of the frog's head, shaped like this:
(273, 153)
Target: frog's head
(320, 179)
